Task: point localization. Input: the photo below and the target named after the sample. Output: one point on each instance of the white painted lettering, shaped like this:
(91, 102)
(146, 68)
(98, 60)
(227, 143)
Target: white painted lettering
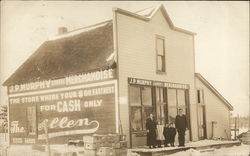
(15, 127)
(93, 103)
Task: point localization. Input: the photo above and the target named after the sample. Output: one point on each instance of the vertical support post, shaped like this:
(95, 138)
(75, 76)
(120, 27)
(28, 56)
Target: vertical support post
(47, 137)
(235, 126)
(238, 124)
(212, 129)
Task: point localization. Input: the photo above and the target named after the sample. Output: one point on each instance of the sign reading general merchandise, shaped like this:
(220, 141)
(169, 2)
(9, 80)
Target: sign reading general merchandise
(66, 81)
(144, 82)
(69, 111)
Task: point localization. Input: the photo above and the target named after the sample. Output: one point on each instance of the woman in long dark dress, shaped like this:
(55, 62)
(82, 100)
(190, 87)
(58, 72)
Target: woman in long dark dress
(151, 131)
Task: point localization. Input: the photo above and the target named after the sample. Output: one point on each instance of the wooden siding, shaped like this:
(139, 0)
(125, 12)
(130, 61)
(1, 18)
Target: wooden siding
(217, 111)
(137, 58)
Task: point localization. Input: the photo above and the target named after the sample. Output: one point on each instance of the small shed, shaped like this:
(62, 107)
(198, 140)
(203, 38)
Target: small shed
(213, 111)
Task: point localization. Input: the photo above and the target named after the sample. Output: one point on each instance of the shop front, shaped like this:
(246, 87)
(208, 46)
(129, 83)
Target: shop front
(160, 98)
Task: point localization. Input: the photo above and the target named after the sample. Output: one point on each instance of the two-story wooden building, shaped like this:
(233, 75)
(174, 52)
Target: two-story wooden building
(107, 78)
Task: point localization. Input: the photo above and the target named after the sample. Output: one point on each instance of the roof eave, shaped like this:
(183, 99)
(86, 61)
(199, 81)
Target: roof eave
(210, 87)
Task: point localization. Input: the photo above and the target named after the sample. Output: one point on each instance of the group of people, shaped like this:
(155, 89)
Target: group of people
(157, 133)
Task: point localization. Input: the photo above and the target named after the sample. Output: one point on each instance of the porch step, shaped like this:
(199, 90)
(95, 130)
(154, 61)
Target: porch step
(172, 150)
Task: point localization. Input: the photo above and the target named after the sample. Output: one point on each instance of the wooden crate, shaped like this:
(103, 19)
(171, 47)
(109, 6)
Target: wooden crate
(91, 146)
(89, 153)
(122, 137)
(120, 152)
(123, 144)
(92, 139)
(106, 151)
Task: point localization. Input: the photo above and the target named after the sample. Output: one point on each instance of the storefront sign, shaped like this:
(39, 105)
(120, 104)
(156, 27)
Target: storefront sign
(68, 111)
(65, 123)
(136, 81)
(66, 81)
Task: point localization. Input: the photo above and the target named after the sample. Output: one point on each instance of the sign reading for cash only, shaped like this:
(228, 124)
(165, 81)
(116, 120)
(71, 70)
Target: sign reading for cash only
(73, 110)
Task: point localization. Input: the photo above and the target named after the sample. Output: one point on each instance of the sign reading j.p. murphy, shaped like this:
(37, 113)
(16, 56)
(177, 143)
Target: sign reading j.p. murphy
(70, 111)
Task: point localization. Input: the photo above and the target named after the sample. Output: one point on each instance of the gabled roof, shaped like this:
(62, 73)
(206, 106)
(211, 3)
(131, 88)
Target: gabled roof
(210, 87)
(86, 49)
(148, 13)
(82, 50)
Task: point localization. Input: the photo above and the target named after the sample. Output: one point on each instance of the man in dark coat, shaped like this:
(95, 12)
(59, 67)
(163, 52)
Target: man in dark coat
(181, 126)
(169, 134)
(151, 131)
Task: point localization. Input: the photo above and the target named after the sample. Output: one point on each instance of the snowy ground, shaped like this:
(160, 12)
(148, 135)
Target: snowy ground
(207, 142)
(190, 144)
(242, 150)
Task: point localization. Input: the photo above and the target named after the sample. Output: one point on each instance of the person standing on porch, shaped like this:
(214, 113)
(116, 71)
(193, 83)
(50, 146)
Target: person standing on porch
(169, 133)
(159, 133)
(151, 131)
(181, 126)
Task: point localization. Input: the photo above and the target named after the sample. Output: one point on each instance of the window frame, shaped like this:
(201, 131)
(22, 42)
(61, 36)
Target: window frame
(162, 105)
(163, 71)
(200, 96)
(142, 108)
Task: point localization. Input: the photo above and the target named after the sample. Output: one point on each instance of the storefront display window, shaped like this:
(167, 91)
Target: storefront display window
(176, 99)
(140, 106)
(181, 100)
(135, 97)
(136, 120)
(172, 105)
(161, 111)
(146, 96)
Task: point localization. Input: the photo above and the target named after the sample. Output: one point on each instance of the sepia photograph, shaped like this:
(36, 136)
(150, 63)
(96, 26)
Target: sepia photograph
(124, 78)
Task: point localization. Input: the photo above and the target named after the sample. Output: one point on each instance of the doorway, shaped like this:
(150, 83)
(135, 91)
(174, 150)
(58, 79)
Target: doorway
(202, 128)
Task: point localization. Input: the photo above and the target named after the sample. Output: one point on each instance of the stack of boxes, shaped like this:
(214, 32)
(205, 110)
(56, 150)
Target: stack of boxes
(105, 145)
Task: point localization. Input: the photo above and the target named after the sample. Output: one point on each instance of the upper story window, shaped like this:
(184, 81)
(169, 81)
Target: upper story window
(199, 96)
(160, 53)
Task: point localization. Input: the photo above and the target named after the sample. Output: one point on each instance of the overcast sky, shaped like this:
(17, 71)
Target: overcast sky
(221, 44)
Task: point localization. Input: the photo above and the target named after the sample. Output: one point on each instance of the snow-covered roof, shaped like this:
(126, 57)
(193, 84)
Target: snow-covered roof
(148, 13)
(79, 51)
(80, 30)
(83, 49)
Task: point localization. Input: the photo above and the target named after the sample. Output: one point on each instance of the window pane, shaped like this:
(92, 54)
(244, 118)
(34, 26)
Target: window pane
(159, 95)
(172, 97)
(181, 100)
(172, 112)
(160, 46)
(159, 63)
(147, 111)
(146, 96)
(198, 96)
(172, 105)
(160, 105)
(134, 96)
(31, 120)
(136, 121)
(160, 113)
